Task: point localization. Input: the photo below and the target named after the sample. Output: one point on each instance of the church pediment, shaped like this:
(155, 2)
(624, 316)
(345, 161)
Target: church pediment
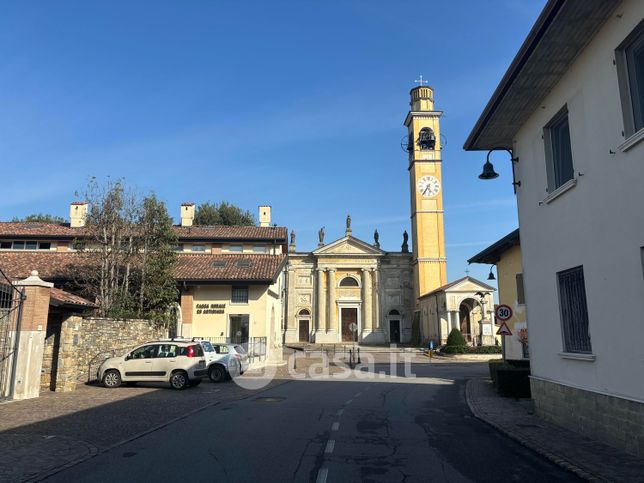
(348, 246)
(468, 284)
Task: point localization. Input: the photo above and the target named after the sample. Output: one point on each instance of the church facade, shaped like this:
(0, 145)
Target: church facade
(351, 291)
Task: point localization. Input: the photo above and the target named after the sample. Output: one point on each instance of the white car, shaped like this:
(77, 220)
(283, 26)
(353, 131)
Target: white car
(231, 360)
(180, 363)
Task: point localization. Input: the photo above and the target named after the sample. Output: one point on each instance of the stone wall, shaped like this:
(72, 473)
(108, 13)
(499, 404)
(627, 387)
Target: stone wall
(86, 342)
(616, 421)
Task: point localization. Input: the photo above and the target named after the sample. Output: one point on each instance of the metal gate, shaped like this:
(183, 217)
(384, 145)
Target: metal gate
(11, 299)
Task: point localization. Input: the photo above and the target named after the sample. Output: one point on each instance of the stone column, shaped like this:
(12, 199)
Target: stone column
(31, 337)
(375, 320)
(367, 303)
(320, 305)
(331, 325)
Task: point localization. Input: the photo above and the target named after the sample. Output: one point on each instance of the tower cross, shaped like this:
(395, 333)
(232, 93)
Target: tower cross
(420, 81)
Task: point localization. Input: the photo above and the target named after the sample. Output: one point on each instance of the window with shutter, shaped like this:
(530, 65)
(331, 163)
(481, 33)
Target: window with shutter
(574, 311)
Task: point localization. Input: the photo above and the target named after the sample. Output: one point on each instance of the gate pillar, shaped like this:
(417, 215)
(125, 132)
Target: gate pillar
(30, 338)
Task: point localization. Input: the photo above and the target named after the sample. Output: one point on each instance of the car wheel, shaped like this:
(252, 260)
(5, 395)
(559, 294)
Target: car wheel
(216, 373)
(195, 382)
(179, 380)
(112, 378)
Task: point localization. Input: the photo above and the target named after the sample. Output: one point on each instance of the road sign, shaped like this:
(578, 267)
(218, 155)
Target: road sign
(503, 312)
(504, 330)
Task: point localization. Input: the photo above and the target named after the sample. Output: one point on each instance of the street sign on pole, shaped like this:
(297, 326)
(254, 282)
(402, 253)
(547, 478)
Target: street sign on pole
(504, 330)
(503, 312)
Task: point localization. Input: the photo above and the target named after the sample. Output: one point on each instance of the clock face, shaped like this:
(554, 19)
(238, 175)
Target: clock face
(429, 186)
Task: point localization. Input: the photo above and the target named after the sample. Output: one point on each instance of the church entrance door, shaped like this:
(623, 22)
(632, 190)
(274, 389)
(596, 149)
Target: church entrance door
(394, 331)
(304, 330)
(349, 324)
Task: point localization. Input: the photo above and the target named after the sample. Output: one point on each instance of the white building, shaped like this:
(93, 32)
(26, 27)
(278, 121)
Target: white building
(571, 109)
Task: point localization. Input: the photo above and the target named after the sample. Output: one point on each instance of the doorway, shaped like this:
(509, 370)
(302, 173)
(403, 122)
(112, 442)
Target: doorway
(239, 325)
(394, 331)
(349, 324)
(304, 330)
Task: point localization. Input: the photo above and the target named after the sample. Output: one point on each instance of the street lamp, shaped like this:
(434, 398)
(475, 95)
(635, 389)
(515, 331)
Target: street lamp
(488, 168)
(491, 275)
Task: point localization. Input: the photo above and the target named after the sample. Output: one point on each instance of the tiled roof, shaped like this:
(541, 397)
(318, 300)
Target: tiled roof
(218, 232)
(35, 229)
(205, 267)
(190, 267)
(59, 297)
(50, 265)
(221, 232)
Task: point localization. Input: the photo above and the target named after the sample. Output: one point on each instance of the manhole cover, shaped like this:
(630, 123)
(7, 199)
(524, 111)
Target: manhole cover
(269, 399)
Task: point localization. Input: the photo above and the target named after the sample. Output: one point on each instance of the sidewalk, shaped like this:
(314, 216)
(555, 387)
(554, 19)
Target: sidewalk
(587, 458)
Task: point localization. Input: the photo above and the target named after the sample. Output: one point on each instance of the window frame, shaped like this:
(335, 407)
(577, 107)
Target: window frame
(633, 121)
(554, 158)
(520, 288)
(568, 330)
(244, 300)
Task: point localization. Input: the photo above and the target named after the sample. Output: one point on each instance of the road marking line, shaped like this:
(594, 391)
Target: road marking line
(330, 444)
(322, 474)
(340, 411)
(335, 426)
(349, 401)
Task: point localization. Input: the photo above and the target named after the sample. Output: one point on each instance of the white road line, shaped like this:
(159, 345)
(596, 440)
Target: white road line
(349, 401)
(330, 444)
(335, 426)
(340, 411)
(322, 474)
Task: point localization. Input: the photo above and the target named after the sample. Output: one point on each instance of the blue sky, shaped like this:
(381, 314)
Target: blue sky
(298, 104)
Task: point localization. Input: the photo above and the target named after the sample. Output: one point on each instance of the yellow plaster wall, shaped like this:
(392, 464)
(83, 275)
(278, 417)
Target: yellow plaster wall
(217, 325)
(507, 268)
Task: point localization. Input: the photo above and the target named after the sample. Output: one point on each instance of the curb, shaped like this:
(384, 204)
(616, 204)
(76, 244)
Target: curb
(558, 460)
(47, 473)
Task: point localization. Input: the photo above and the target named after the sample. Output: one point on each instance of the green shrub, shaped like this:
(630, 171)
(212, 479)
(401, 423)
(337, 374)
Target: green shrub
(486, 349)
(455, 338)
(454, 349)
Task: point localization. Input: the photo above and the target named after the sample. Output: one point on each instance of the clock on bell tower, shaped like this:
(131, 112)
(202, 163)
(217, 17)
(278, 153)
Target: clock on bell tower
(428, 233)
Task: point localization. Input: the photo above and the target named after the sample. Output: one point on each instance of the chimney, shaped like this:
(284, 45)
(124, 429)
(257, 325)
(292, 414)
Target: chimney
(265, 215)
(187, 214)
(78, 214)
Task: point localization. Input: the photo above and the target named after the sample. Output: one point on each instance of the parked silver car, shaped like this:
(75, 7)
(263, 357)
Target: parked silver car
(231, 360)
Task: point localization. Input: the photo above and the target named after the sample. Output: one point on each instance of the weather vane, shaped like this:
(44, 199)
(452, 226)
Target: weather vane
(420, 81)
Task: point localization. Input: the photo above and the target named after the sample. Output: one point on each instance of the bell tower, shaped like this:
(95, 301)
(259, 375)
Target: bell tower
(426, 189)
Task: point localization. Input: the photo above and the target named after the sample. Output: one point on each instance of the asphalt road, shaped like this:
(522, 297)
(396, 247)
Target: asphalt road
(383, 429)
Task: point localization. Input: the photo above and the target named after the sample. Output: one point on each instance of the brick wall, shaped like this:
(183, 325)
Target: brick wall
(616, 421)
(86, 342)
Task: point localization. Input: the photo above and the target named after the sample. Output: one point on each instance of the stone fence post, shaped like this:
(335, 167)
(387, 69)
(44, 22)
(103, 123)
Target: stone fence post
(31, 336)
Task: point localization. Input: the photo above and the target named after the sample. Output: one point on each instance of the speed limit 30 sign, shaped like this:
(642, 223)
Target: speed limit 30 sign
(503, 312)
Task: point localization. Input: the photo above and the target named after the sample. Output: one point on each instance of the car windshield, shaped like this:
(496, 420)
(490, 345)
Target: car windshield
(207, 346)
